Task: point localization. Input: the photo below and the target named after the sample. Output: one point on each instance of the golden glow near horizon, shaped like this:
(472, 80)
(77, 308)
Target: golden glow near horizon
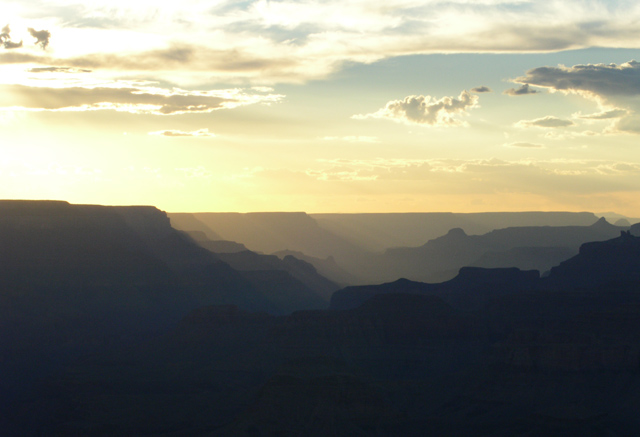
(330, 106)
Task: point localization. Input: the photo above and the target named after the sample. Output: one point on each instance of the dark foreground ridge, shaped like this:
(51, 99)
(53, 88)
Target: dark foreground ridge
(113, 323)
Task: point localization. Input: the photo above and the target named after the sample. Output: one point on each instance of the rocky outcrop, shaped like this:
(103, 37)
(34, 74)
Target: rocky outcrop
(615, 260)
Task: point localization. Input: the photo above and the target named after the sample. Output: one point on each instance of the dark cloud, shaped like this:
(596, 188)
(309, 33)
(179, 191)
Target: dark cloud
(481, 89)
(546, 122)
(598, 79)
(521, 91)
(42, 37)
(5, 39)
(426, 110)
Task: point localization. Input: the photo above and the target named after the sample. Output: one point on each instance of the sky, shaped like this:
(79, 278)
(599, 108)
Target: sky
(322, 106)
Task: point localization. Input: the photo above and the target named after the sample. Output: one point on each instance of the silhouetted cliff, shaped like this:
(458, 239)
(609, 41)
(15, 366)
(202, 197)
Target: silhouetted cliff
(490, 352)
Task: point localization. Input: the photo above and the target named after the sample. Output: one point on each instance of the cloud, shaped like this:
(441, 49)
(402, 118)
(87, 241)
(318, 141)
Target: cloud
(481, 89)
(618, 168)
(42, 37)
(592, 80)
(545, 122)
(629, 125)
(603, 115)
(521, 91)
(610, 85)
(178, 133)
(5, 39)
(547, 178)
(354, 139)
(426, 110)
(296, 41)
(57, 70)
(126, 97)
(524, 145)
(555, 135)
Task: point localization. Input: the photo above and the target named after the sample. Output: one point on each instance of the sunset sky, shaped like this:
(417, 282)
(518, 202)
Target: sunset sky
(322, 106)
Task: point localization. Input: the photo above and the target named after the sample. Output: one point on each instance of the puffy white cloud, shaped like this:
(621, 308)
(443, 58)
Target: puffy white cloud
(426, 110)
(545, 122)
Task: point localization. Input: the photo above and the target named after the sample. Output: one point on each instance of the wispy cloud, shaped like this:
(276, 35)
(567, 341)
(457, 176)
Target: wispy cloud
(126, 97)
(545, 122)
(200, 133)
(603, 115)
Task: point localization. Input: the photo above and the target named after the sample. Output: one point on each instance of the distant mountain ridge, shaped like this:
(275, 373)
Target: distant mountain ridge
(457, 249)
(356, 241)
(614, 261)
(380, 231)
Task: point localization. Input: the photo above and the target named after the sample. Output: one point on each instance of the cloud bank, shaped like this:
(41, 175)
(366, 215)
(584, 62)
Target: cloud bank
(295, 41)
